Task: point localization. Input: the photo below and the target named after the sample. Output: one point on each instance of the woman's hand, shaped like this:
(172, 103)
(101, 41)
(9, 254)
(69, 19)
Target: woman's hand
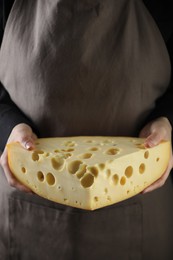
(155, 132)
(23, 134)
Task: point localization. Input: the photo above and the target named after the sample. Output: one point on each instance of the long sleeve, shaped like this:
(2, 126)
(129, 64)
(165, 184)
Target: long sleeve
(164, 105)
(10, 114)
(162, 12)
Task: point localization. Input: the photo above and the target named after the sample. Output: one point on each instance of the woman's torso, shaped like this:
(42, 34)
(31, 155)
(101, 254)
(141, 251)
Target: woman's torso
(84, 67)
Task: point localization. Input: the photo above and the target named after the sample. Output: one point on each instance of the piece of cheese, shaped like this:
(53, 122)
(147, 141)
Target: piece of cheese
(88, 172)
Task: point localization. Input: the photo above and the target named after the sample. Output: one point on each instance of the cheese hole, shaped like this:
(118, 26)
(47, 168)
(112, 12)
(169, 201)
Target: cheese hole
(65, 200)
(96, 198)
(115, 179)
(59, 188)
(94, 149)
(142, 168)
(89, 141)
(86, 156)
(146, 154)
(123, 180)
(35, 187)
(81, 171)
(87, 181)
(109, 198)
(101, 166)
(112, 151)
(108, 173)
(68, 150)
(39, 151)
(94, 171)
(129, 171)
(35, 155)
(157, 159)
(73, 166)
(40, 176)
(105, 190)
(70, 143)
(67, 155)
(50, 179)
(140, 146)
(23, 169)
(57, 163)
(56, 151)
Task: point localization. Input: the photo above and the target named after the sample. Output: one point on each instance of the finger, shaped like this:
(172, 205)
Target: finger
(13, 182)
(27, 142)
(159, 183)
(10, 177)
(145, 132)
(153, 139)
(16, 184)
(24, 135)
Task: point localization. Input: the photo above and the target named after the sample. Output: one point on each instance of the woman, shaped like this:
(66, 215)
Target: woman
(86, 68)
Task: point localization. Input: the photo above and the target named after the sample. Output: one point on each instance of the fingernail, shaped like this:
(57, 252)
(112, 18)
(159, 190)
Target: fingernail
(147, 190)
(150, 143)
(28, 145)
(147, 145)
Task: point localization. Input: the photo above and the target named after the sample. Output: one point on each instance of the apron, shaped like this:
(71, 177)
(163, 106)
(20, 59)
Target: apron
(84, 67)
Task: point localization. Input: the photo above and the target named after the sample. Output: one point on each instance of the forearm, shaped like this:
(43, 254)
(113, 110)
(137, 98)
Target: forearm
(163, 106)
(10, 116)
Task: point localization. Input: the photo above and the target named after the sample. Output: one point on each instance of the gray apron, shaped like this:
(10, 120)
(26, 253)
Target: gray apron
(84, 67)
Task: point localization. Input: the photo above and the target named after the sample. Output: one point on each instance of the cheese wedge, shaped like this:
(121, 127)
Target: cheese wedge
(88, 172)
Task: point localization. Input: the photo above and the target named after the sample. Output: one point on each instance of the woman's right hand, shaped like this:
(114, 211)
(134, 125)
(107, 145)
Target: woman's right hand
(23, 134)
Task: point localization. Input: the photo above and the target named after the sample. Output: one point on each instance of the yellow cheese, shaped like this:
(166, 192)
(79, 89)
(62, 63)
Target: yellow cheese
(88, 172)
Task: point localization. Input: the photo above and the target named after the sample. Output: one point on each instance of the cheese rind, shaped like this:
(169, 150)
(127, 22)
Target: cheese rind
(88, 172)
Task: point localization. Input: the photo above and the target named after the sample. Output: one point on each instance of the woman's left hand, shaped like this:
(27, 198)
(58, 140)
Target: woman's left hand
(155, 132)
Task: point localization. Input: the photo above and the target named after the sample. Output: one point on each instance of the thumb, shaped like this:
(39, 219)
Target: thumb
(27, 142)
(153, 139)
